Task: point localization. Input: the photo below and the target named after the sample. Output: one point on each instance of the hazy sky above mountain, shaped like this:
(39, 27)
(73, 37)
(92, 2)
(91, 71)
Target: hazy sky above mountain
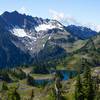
(85, 12)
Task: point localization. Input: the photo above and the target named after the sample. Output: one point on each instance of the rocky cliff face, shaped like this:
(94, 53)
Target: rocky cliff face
(22, 37)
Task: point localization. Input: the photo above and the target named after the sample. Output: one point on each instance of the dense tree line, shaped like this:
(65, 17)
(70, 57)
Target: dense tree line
(86, 87)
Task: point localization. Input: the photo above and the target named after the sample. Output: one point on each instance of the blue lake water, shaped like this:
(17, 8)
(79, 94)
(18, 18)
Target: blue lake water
(66, 75)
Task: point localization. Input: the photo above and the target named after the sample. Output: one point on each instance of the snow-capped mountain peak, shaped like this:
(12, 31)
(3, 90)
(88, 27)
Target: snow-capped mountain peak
(19, 32)
(48, 26)
(23, 37)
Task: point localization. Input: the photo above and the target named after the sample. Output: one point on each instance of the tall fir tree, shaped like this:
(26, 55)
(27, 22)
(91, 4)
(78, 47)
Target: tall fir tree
(96, 87)
(32, 95)
(30, 80)
(4, 86)
(87, 83)
(78, 89)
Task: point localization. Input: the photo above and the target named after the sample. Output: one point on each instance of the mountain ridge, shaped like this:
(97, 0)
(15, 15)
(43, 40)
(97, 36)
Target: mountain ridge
(20, 30)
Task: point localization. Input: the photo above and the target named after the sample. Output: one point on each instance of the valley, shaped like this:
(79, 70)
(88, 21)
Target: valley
(42, 59)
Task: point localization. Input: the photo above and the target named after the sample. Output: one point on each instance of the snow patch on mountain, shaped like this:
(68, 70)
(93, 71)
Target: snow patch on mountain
(47, 26)
(49, 38)
(43, 45)
(19, 32)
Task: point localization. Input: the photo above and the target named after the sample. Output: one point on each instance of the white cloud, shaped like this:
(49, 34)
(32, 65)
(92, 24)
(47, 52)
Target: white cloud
(55, 15)
(68, 20)
(93, 26)
(60, 16)
(24, 10)
(71, 20)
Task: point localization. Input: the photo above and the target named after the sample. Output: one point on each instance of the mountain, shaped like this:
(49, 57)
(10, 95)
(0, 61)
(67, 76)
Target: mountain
(81, 32)
(26, 40)
(9, 53)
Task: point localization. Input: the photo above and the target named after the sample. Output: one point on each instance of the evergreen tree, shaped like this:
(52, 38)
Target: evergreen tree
(78, 89)
(30, 80)
(71, 75)
(32, 95)
(6, 76)
(4, 86)
(88, 89)
(97, 91)
(59, 75)
(16, 95)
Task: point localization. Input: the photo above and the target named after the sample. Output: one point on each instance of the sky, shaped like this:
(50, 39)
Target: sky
(79, 12)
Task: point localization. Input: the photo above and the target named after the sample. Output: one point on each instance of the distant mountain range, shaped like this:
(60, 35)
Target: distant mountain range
(26, 40)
